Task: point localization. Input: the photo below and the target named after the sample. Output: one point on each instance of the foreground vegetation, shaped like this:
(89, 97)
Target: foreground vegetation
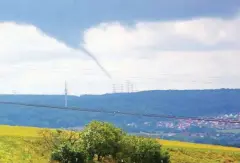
(17, 145)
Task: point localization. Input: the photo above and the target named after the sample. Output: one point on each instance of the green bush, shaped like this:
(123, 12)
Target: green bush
(141, 150)
(101, 139)
(106, 141)
(67, 153)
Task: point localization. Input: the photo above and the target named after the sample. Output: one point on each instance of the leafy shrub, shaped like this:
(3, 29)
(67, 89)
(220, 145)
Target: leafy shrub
(53, 139)
(105, 141)
(101, 139)
(141, 150)
(67, 153)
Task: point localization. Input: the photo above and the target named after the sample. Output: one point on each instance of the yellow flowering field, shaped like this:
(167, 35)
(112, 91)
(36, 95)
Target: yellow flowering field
(184, 152)
(18, 131)
(14, 148)
(178, 144)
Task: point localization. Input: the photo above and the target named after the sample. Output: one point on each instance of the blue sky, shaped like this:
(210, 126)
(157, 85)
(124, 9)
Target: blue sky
(65, 19)
(173, 44)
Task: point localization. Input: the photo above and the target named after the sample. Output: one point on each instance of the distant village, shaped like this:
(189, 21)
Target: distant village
(192, 130)
(185, 124)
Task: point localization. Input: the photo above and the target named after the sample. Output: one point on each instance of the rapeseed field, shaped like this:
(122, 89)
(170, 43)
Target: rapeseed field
(15, 148)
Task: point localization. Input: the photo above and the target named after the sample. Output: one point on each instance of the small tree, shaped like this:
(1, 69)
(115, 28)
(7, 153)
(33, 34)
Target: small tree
(51, 140)
(101, 139)
(141, 150)
(68, 153)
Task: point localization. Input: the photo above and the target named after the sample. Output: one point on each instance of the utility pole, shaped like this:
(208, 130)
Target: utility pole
(66, 94)
(114, 88)
(127, 86)
(122, 88)
(131, 87)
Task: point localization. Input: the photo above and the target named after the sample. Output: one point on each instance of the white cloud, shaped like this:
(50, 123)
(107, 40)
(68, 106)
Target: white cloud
(173, 35)
(209, 31)
(23, 43)
(32, 62)
(191, 54)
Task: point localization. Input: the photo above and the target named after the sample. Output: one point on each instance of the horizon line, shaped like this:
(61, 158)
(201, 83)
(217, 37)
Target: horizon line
(107, 93)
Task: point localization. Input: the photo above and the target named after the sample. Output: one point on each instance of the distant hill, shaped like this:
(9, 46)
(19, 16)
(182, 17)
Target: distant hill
(175, 102)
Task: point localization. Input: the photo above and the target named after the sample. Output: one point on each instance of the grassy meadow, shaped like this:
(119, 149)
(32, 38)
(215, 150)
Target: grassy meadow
(15, 148)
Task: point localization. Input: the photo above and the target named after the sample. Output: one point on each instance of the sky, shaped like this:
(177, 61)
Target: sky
(152, 44)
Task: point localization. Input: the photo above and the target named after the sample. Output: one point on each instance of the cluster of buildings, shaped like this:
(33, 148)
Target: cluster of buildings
(184, 124)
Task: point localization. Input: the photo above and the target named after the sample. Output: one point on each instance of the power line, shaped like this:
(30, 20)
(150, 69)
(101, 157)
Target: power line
(122, 113)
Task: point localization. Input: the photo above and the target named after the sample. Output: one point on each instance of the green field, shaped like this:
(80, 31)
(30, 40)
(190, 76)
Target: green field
(15, 148)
